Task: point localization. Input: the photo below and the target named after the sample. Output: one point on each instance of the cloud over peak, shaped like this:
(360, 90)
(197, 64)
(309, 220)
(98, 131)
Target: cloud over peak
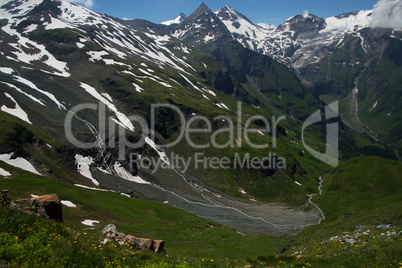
(86, 3)
(387, 14)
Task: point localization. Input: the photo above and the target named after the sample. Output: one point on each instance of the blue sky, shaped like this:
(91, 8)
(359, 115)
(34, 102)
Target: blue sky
(269, 11)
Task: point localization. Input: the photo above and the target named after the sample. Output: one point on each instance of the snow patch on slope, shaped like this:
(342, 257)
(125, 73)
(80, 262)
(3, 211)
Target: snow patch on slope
(90, 223)
(375, 105)
(18, 162)
(25, 44)
(91, 188)
(47, 94)
(242, 191)
(83, 167)
(20, 8)
(124, 174)
(162, 154)
(120, 116)
(138, 88)
(68, 203)
(24, 93)
(6, 70)
(107, 96)
(222, 106)
(96, 55)
(4, 173)
(17, 111)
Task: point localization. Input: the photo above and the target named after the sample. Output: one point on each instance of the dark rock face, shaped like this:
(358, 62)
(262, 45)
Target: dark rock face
(49, 205)
(159, 246)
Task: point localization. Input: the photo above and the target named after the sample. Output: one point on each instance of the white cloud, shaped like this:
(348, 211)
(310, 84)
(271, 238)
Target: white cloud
(305, 14)
(387, 14)
(86, 3)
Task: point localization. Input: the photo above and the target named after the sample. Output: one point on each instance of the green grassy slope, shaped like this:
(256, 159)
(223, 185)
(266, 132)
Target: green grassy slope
(30, 241)
(185, 234)
(360, 198)
(360, 185)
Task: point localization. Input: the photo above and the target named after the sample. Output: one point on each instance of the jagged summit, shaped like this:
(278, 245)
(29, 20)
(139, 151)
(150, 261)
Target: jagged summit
(201, 26)
(202, 9)
(240, 26)
(226, 8)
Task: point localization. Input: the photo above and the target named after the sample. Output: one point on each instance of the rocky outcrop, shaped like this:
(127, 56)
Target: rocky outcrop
(49, 205)
(5, 200)
(159, 246)
(146, 244)
(142, 244)
(110, 231)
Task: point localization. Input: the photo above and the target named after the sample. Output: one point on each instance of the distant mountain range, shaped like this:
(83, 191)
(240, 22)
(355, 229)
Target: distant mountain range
(334, 56)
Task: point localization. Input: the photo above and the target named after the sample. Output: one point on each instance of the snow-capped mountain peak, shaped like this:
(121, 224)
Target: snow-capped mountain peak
(240, 25)
(228, 13)
(203, 24)
(179, 19)
(302, 24)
